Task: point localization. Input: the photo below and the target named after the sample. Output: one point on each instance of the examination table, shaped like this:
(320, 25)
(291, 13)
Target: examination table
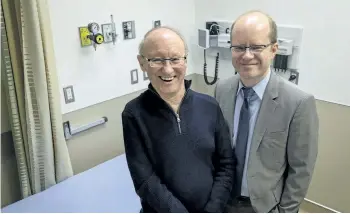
(105, 188)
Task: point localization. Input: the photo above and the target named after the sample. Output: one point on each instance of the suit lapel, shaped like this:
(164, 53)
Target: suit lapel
(266, 112)
(231, 102)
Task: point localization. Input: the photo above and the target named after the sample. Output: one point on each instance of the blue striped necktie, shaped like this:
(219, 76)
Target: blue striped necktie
(242, 137)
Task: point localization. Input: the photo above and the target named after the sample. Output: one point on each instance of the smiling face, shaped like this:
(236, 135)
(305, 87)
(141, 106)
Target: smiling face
(167, 78)
(250, 30)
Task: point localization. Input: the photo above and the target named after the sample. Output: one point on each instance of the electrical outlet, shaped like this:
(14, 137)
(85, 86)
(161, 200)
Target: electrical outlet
(294, 76)
(156, 23)
(107, 31)
(69, 94)
(134, 76)
(129, 29)
(145, 76)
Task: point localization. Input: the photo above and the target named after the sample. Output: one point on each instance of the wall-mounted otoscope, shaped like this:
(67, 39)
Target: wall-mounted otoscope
(203, 42)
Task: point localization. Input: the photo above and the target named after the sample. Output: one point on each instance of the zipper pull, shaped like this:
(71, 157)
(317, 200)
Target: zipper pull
(178, 122)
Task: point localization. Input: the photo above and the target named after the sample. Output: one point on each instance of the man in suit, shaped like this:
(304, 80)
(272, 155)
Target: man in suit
(274, 125)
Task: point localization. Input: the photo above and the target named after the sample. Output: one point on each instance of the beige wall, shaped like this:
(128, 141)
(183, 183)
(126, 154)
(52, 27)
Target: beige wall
(105, 142)
(101, 143)
(330, 184)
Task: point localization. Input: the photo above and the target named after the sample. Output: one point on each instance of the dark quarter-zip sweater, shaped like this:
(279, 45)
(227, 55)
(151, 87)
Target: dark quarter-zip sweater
(179, 162)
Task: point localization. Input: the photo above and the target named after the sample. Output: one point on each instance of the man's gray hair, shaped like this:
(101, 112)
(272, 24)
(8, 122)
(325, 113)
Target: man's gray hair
(142, 43)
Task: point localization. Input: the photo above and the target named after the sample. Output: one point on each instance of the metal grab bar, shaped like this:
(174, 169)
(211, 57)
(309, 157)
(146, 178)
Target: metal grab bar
(69, 132)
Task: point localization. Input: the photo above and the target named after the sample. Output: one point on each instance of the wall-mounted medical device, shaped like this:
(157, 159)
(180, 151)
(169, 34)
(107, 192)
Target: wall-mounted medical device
(216, 37)
(203, 42)
(285, 49)
(286, 61)
(219, 35)
(109, 32)
(96, 37)
(203, 38)
(90, 34)
(129, 29)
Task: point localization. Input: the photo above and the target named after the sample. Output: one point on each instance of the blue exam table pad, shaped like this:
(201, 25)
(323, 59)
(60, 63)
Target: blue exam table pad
(106, 187)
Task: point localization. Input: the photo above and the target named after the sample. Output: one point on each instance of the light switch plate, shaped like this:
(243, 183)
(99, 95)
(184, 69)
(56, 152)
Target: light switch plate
(157, 23)
(134, 76)
(107, 32)
(69, 94)
(129, 29)
(145, 76)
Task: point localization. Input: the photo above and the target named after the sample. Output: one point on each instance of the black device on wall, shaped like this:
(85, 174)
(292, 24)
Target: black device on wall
(216, 69)
(280, 63)
(204, 38)
(213, 28)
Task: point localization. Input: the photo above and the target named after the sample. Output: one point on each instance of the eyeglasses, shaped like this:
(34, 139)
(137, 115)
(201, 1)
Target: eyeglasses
(253, 48)
(160, 62)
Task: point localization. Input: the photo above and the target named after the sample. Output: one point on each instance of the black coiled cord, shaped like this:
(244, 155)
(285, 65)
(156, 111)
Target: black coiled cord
(216, 69)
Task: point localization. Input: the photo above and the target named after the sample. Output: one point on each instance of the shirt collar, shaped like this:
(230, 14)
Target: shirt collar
(259, 88)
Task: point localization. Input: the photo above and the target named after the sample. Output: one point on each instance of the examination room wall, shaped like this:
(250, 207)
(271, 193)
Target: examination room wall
(323, 71)
(101, 78)
(79, 67)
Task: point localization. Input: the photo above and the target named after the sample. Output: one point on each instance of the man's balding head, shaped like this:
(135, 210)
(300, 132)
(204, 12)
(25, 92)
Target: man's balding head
(162, 54)
(259, 20)
(254, 42)
(155, 34)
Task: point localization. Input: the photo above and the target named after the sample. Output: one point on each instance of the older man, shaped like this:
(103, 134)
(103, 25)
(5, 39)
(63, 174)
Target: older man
(274, 125)
(177, 143)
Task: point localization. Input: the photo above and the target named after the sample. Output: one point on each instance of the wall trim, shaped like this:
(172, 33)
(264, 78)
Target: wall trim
(321, 206)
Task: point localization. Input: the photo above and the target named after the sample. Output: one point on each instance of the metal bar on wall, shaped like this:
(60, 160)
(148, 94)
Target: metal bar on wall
(69, 132)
